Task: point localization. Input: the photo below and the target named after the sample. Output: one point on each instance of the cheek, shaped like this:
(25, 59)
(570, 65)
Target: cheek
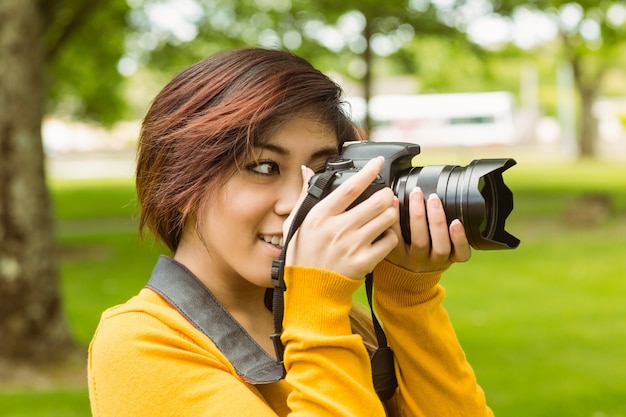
(243, 203)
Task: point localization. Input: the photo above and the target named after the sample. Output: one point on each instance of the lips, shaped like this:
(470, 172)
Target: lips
(273, 239)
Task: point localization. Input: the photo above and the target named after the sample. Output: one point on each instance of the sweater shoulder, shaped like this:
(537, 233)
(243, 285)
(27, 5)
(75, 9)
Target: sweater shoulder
(147, 321)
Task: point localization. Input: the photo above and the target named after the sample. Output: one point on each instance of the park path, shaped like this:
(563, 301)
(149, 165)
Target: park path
(91, 165)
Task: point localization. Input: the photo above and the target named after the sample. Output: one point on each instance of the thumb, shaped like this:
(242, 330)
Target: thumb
(307, 174)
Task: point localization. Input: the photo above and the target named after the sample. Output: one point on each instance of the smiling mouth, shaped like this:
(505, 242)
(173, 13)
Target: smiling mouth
(273, 239)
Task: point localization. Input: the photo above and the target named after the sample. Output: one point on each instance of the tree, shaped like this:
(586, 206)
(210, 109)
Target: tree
(35, 42)
(63, 57)
(83, 41)
(592, 36)
(354, 32)
(31, 323)
(387, 28)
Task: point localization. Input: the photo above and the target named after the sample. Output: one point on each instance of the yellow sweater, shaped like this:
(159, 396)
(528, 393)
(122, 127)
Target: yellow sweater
(146, 359)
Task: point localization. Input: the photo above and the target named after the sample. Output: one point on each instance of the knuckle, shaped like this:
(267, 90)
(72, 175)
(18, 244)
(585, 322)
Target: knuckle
(391, 216)
(437, 254)
(420, 249)
(351, 190)
(382, 199)
(437, 221)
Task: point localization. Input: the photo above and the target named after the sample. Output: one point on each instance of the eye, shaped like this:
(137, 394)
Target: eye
(264, 168)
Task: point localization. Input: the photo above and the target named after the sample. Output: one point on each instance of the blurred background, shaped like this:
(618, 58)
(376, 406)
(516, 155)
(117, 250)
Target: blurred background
(543, 82)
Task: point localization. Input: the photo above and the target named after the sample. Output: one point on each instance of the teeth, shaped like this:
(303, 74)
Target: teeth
(274, 240)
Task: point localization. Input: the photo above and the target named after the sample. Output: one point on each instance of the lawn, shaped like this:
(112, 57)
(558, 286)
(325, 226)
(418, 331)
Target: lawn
(542, 325)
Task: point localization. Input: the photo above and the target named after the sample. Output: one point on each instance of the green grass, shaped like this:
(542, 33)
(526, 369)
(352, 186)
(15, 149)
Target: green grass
(97, 199)
(542, 325)
(57, 402)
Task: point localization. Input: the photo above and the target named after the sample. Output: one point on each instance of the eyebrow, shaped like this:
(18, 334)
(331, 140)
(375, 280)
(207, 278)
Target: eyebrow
(322, 152)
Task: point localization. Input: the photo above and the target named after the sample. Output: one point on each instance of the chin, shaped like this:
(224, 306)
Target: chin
(261, 272)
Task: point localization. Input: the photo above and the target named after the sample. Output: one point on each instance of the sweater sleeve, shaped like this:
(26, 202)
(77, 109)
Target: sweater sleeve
(327, 366)
(434, 377)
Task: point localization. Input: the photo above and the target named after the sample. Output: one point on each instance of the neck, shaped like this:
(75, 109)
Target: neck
(242, 299)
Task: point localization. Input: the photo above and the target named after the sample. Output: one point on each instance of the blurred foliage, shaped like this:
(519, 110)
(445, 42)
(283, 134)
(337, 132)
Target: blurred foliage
(342, 28)
(338, 37)
(84, 40)
(591, 35)
(89, 40)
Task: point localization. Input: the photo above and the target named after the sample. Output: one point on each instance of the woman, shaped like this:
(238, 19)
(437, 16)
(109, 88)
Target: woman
(225, 154)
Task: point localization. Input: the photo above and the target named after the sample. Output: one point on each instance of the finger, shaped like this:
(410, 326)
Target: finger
(420, 235)
(461, 250)
(381, 223)
(375, 205)
(341, 198)
(396, 227)
(383, 244)
(438, 226)
(307, 173)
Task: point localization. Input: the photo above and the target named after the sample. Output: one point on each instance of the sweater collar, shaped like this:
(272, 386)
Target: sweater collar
(186, 293)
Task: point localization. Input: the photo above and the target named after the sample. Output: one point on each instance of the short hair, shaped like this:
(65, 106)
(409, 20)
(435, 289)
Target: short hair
(212, 114)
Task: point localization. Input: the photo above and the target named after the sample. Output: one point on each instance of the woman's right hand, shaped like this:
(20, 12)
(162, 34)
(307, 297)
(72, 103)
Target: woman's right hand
(348, 242)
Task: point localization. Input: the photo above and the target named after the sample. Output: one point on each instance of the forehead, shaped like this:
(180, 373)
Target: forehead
(301, 136)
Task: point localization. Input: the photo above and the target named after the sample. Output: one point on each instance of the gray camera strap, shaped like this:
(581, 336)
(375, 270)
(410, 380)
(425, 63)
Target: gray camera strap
(315, 193)
(183, 291)
(383, 372)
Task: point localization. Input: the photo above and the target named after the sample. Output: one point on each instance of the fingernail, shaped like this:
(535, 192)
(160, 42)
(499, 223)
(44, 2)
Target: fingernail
(307, 174)
(416, 190)
(433, 196)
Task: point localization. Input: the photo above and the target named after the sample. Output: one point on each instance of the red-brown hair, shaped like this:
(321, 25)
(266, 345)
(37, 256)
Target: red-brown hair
(211, 115)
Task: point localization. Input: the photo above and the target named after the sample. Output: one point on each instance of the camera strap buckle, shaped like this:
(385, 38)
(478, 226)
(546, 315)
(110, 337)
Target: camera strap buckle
(278, 274)
(318, 189)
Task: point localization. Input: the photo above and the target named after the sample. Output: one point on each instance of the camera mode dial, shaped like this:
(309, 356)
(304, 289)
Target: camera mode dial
(339, 164)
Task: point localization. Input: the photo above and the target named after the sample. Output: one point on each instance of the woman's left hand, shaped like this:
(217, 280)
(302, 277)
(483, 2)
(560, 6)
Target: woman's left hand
(434, 246)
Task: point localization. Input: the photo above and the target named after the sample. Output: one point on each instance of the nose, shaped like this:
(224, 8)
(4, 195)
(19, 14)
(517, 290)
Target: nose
(289, 195)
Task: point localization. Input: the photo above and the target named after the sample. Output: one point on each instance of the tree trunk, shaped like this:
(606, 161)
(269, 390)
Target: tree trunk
(32, 327)
(587, 88)
(588, 124)
(367, 78)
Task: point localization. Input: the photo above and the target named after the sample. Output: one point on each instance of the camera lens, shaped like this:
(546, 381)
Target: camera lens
(475, 194)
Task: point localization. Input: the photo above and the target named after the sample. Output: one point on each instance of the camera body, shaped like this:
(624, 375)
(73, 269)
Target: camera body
(475, 194)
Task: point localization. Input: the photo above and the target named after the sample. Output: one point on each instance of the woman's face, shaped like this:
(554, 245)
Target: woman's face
(237, 235)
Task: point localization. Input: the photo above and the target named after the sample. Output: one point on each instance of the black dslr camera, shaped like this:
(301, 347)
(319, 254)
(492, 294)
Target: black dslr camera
(475, 194)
